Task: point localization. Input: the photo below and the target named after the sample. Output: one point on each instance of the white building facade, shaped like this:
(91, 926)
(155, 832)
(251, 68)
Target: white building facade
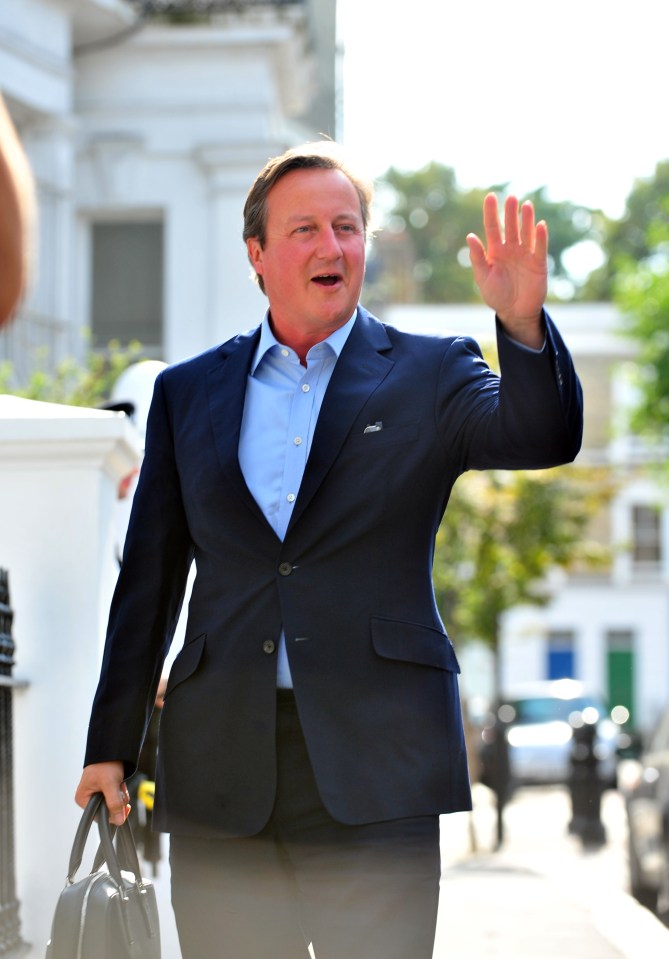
(145, 134)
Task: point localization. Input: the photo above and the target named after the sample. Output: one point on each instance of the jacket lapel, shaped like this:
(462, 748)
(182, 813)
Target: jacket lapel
(226, 390)
(361, 367)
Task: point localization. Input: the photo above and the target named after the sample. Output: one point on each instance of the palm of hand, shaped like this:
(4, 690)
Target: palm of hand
(515, 283)
(511, 271)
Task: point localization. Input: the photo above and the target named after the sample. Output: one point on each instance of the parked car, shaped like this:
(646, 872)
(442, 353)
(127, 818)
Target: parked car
(644, 783)
(538, 722)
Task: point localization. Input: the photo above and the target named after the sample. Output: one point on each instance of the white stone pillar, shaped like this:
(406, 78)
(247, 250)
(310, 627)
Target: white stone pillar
(60, 468)
(50, 145)
(236, 302)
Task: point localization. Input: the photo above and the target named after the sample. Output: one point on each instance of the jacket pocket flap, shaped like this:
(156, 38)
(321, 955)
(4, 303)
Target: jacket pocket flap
(413, 643)
(186, 662)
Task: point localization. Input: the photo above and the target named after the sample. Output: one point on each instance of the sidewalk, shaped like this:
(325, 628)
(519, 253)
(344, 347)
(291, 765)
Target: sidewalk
(491, 909)
(540, 897)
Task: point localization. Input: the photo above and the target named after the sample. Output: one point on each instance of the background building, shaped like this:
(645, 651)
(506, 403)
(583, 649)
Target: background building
(145, 123)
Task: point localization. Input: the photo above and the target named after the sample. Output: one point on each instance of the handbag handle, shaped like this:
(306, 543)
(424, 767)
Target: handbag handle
(96, 806)
(127, 851)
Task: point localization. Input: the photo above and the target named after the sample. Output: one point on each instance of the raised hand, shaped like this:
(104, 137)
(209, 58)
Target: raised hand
(511, 270)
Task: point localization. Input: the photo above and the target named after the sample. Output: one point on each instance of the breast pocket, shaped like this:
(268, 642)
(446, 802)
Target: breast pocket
(378, 437)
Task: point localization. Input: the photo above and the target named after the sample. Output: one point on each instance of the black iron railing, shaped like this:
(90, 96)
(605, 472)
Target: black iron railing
(184, 8)
(10, 926)
(181, 13)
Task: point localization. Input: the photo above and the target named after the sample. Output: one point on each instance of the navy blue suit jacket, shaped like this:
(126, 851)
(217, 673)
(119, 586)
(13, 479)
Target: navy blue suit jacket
(375, 675)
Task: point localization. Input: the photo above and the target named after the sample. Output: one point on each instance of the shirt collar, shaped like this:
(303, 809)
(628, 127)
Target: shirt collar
(268, 341)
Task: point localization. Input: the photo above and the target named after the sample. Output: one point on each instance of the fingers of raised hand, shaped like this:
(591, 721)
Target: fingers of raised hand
(520, 229)
(491, 222)
(476, 251)
(516, 231)
(512, 231)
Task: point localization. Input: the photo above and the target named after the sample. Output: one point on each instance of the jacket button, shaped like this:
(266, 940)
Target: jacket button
(268, 646)
(285, 569)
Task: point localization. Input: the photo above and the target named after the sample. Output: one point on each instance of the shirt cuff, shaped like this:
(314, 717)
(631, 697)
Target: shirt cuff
(518, 344)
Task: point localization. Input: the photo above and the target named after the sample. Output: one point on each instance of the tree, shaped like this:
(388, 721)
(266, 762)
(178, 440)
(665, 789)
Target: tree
(502, 534)
(627, 240)
(641, 290)
(430, 217)
(420, 254)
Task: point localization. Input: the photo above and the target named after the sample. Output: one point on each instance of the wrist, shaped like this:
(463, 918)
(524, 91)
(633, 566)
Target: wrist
(530, 331)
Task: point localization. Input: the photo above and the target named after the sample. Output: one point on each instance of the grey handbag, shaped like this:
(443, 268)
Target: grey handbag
(112, 912)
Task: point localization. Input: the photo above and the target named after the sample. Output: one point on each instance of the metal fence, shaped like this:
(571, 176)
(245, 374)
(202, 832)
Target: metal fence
(181, 8)
(11, 944)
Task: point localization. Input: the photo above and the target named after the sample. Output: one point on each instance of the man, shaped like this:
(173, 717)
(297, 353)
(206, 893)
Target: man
(311, 733)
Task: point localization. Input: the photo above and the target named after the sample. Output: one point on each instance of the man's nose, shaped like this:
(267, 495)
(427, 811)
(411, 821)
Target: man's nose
(328, 243)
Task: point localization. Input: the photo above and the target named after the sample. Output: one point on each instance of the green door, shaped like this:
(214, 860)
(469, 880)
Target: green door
(620, 671)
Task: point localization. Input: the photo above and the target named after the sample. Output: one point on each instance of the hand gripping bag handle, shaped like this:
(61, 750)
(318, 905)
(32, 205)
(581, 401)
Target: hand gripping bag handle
(129, 860)
(106, 853)
(96, 807)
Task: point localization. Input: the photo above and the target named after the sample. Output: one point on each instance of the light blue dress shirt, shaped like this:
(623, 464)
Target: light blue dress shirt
(283, 400)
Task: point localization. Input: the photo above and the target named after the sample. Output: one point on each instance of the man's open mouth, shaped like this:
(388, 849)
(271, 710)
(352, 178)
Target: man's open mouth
(327, 279)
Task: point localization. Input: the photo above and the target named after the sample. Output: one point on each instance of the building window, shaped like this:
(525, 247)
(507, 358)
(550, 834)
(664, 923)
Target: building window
(127, 284)
(646, 536)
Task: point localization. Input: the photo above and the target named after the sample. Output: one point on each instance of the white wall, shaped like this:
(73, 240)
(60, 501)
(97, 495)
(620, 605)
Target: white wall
(60, 472)
(167, 122)
(176, 123)
(35, 54)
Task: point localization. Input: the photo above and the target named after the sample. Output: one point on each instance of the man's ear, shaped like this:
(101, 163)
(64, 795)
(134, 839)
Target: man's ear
(255, 253)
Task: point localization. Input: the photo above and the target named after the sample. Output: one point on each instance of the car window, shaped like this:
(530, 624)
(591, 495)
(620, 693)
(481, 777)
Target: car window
(545, 709)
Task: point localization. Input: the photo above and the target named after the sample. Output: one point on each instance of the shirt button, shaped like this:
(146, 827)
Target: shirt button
(291, 497)
(305, 387)
(285, 569)
(284, 353)
(297, 441)
(268, 646)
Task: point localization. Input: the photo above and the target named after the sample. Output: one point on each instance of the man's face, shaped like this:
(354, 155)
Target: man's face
(313, 261)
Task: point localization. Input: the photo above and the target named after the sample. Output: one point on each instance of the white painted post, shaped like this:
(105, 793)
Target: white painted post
(60, 469)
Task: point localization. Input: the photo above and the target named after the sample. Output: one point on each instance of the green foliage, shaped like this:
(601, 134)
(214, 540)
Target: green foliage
(502, 534)
(641, 290)
(433, 216)
(628, 240)
(74, 384)
(429, 218)
(569, 225)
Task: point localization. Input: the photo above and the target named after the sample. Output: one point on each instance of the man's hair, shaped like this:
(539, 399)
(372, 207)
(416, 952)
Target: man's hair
(320, 155)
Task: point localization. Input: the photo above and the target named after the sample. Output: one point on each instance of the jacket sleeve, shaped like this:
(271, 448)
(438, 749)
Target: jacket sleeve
(530, 416)
(147, 600)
